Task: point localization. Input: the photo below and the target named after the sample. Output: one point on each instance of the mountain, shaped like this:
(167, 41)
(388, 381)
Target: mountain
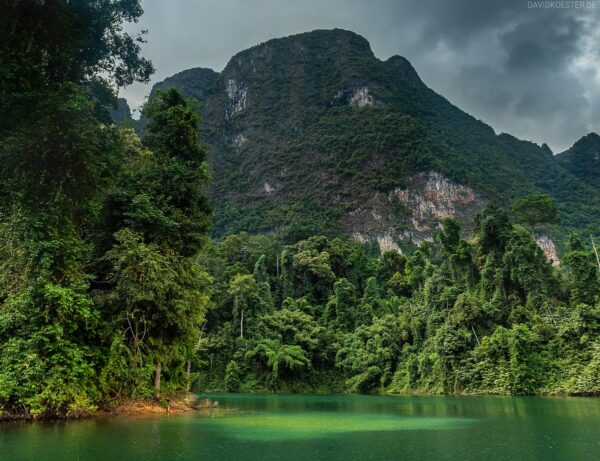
(313, 134)
(583, 158)
(121, 113)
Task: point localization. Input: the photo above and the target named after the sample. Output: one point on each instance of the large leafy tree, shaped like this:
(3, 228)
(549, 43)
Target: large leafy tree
(158, 217)
(536, 209)
(45, 45)
(60, 62)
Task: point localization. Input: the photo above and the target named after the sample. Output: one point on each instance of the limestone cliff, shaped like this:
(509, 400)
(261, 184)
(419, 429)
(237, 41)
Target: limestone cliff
(313, 134)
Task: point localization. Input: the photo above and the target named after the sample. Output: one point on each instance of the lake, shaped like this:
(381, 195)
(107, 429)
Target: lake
(329, 427)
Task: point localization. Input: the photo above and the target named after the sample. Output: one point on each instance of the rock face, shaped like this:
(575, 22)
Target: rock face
(548, 247)
(412, 213)
(236, 98)
(313, 133)
(431, 198)
(361, 97)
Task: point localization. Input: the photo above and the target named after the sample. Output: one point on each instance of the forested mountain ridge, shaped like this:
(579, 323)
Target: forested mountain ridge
(583, 158)
(313, 134)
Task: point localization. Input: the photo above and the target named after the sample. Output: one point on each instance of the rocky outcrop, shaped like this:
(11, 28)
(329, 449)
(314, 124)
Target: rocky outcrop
(357, 97)
(236, 98)
(431, 197)
(239, 140)
(548, 247)
(361, 97)
(268, 188)
(122, 113)
(424, 202)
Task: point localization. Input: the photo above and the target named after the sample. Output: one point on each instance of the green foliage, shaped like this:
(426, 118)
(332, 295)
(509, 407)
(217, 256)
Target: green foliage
(157, 224)
(536, 209)
(484, 314)
(56, 154)
(101, 229)
(329, 163)
(232, 377)
(47, 45)
(110, 288)
(582, 273)
(509, 362)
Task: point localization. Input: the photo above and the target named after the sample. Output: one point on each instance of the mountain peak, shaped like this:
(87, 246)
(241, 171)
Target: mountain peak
(308, 45)
(404, 69)
(589, 140)
(587, 145)
(314, 128)
(199, 82)
(583, 158)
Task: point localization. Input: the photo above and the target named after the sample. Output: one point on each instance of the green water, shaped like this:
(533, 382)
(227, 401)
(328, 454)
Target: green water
(314, 427)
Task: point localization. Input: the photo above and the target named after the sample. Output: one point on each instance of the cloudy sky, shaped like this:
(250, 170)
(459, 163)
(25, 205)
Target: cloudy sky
(528, 68)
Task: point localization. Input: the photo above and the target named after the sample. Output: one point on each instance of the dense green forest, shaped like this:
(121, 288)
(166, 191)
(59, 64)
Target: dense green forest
(100, 294)
(111, 289)
(486, 314)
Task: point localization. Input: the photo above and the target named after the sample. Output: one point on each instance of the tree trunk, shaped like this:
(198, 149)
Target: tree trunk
(277, 263)
(476, 337)
(595, 250)
(157, 380)
(189, 374)
(242, 325)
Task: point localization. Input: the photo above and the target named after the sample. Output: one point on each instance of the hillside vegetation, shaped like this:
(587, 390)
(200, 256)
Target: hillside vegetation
(313, 134)
(487, 314)
(112, 289)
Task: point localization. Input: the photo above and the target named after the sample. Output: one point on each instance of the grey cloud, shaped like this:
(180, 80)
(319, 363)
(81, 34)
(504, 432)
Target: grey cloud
(528, 72)
(549, 43)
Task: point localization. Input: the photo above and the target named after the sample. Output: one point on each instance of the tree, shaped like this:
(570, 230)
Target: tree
(46, 46)
(244, 290)
(590, 230)
(159, 219)
(232, 377)
(60, 62)
(369, 355)
(310, 270)
(295, 328)
(582, 274)
(529, 270)
(390, 263)
(264, 288)
(536, 209)
(165, 298)
(279, 357)
(343, 308)
(449, 237)
(492, 228)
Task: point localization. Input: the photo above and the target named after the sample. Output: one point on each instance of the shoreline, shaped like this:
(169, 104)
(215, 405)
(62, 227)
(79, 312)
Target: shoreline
(129, 408)
(202, 402)
(149, 407)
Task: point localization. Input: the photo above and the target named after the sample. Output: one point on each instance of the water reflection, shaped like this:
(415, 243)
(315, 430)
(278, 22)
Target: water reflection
(343, 427)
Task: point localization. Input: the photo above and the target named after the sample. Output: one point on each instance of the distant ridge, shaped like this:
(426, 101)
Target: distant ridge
(313, 134)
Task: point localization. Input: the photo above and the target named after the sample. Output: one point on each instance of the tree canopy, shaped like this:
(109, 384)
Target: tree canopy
(536, 209)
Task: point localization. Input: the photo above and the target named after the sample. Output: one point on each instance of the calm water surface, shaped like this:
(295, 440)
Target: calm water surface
(315, 427)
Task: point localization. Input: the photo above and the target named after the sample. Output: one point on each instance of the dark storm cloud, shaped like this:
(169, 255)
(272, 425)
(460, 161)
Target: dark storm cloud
(531, 72)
